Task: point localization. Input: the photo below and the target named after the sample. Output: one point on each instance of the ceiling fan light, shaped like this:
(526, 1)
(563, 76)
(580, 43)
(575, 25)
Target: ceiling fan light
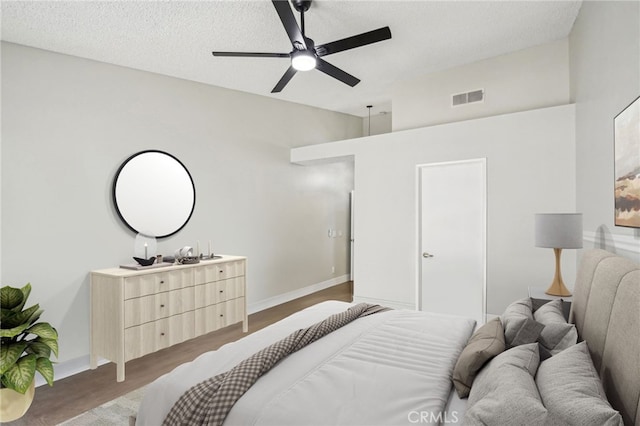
(303, 60)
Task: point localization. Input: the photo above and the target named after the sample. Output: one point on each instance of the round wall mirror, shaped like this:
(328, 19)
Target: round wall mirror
(154, 193)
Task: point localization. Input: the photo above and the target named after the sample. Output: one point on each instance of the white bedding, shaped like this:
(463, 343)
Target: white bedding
(388, 368)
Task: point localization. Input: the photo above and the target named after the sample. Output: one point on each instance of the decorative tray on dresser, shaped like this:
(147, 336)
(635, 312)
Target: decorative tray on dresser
(137, 312)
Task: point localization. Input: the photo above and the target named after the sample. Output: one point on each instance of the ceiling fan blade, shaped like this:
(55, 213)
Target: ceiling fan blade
(252, 54)
(284, 80)
(290, 24)
(336, 72)
(354, 41)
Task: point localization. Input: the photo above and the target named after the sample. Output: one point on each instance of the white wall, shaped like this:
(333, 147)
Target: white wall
(531, 78)
(380, 123)
(530, 169)
(605, 78)
(68, 123)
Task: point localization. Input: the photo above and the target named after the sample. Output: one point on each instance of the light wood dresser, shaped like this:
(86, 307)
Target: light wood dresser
(137, 312)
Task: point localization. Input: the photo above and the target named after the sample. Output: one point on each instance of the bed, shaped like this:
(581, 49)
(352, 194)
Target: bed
(606, 312)
(395, 367)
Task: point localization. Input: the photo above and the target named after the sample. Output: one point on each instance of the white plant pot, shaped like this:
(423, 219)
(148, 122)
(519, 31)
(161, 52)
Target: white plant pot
(13, 404)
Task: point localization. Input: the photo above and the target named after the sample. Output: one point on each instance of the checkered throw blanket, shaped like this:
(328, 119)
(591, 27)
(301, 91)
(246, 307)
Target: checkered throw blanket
(209, 402)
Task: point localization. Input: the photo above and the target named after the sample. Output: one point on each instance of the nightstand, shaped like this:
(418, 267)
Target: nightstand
(539, 298)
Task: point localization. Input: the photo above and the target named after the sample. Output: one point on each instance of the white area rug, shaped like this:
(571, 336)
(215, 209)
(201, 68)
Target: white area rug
(120, 411)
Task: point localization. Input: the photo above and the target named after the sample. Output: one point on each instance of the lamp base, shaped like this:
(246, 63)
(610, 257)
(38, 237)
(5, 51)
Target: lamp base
(557, 287)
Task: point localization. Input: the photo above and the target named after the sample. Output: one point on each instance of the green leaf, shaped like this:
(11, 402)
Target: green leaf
(26, 291)
(45, 367)
(28, 316)
(35, 316)
(44, 330)
(51, 343)
(15, 331)
(40, 349)
(9, 354)
(6, 315)
(10, 297)
(21, 374)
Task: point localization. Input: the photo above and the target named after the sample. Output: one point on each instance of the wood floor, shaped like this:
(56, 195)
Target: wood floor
(76, 394)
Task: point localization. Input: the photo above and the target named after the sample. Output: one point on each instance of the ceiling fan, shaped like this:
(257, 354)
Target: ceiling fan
(306, 55)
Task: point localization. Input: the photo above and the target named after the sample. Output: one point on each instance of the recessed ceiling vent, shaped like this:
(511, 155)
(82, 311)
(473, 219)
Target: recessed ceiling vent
(467, 98)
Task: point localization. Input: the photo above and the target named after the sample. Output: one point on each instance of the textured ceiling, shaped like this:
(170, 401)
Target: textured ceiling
(176, 38)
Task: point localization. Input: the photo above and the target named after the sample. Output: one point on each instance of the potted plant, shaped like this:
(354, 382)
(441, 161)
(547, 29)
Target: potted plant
(26, 347)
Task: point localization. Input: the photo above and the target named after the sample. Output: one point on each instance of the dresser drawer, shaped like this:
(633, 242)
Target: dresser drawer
(232, 269)
(228, 289)
(219, 291)
(142, 285)
(153, 336)
(219, 271)
(230, 312)
(161, 305)
(214, 317)
(208, 273)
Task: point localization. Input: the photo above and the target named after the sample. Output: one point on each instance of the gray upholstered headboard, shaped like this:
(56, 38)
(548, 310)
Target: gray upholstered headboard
(606, 311)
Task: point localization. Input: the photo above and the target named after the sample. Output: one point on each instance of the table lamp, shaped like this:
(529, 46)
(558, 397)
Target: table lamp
(558, 231)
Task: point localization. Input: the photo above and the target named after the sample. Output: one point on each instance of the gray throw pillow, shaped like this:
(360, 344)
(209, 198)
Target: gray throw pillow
(505, 393)
(557, 335)
(571, 390)
(486, 342)
(520, 327)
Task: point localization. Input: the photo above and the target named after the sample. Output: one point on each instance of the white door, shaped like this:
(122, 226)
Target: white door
(352, 204)
(453, 238)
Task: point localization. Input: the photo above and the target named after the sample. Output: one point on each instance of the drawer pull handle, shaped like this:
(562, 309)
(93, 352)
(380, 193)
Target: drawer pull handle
(162, 282)
(162, 306)
(221, 291)
(162, 334)
(221, 315)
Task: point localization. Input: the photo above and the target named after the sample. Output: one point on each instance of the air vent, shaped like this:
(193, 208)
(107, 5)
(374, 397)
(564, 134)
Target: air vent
(460, 99)
(467, 98)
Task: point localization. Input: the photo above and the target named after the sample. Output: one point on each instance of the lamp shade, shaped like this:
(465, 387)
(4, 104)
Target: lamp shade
(558, 230)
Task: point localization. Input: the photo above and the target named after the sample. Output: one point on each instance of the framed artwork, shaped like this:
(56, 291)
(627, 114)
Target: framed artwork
(627, 165)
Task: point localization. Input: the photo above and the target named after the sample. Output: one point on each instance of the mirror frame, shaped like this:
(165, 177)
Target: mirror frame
(115, 200)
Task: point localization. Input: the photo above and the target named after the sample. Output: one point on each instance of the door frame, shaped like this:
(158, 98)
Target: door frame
(418, 227)
(352, 203)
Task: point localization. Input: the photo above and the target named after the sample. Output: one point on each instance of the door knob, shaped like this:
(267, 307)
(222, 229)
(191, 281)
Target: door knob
(426, 255)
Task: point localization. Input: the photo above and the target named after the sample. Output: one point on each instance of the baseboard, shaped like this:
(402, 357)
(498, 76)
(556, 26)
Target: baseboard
(252, 308)
(78, 365)
(70, 368)
(394, 304)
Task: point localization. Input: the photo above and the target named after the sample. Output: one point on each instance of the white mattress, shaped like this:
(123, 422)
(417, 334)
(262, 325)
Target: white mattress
(387, 368)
